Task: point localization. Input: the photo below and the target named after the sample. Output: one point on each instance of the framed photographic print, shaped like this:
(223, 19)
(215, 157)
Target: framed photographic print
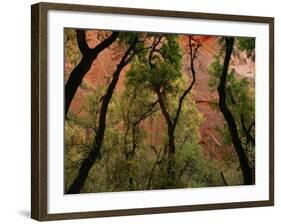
(138, 111)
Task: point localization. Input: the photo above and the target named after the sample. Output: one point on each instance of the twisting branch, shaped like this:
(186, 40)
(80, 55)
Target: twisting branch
(147, 113)
(223, 179)
(192, 55)
(163, 108)
(189, 88)
(95, 152)
(88, 56)
(195, 50)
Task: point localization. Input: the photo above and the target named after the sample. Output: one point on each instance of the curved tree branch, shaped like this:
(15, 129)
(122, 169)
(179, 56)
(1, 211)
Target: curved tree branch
(223, 179)
(95, 151)
(189, 88)
(88, 56)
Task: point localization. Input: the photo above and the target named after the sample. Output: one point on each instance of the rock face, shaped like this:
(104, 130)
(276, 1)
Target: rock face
(206, 99)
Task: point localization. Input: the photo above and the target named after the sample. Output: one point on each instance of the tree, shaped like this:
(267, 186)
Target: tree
(161, 70)
(134, 46)
(225, 87)
(88, 56)
(121, 139)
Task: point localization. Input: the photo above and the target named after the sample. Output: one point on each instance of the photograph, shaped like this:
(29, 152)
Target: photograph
(156, 111)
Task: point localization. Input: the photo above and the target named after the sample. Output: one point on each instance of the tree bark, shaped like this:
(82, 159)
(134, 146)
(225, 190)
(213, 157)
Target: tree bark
(244, 163)
(94, 154)
(88, 56)
(171, 140)
(171, 158)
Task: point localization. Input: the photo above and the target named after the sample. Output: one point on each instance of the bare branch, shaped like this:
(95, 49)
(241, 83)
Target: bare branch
(189, 88)
(223, 179)
(247, 131)
(155, 43)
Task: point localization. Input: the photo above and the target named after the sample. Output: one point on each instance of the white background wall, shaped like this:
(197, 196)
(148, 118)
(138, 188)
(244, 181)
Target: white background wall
(15, 112)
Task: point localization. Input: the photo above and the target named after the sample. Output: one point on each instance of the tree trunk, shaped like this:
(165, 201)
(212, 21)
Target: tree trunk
(88, 56)
(171, 140)
(94, 154)
(97, 144)
(171, 158)
(244, 163)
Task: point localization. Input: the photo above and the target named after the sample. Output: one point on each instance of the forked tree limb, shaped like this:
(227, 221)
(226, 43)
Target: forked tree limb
(95, 151)
(88, 56)
(192, 56)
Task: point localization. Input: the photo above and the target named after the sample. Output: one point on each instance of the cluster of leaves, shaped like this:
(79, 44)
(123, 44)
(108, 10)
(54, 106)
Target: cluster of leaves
(247, 44)
(166, 62)
(71, 50)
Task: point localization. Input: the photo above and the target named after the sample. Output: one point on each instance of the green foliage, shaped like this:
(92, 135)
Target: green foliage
(166, 66)
(246, 43)
(193, 168)
(162, 75)
(172, 52)
(77, 147)
(71, 50)
(215, 70)
(128, 37)
(134, 152)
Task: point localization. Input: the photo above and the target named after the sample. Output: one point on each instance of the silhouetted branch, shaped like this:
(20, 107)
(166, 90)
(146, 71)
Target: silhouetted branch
(95, 152)
(88, 56)
(191, 56)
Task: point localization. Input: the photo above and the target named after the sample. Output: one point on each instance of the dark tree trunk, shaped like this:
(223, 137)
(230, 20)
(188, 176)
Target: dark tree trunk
(94, 154)
(244, 163)
(97, 144)
(171, 158)
(88, 56)
(171, 140)
(75, 79)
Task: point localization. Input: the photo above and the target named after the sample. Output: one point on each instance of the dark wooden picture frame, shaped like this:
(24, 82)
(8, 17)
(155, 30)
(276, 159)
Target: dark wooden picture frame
(39, 121)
